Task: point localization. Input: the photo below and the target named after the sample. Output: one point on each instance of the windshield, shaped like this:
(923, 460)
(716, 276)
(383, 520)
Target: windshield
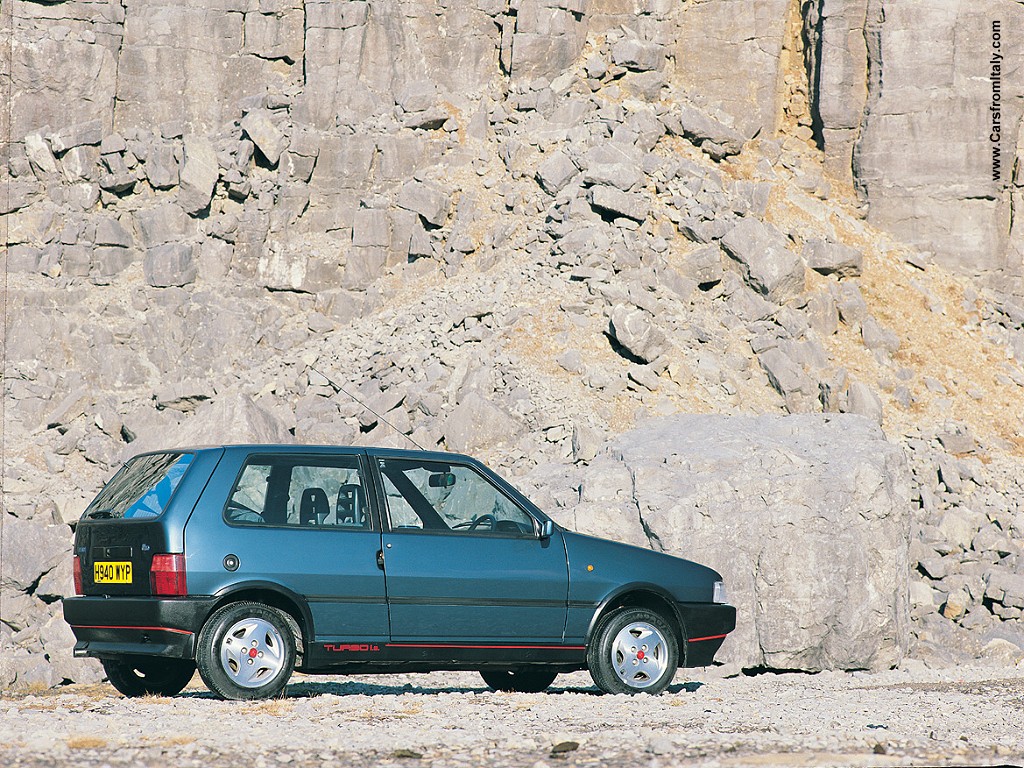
(141, 488)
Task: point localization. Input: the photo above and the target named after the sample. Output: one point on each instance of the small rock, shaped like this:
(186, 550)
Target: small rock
(555, 172)
(958, 440)
(89, 133)
(198, 174)
(267, 137)
(877, 338)
(862, 400)
(638, 55)
(564, 746)
(586, 442)
(833, 258)
(407, 754)
(615, 201)
(426, 199)
(634, 329)
(572, 361)
(956, 605)
(169, 265)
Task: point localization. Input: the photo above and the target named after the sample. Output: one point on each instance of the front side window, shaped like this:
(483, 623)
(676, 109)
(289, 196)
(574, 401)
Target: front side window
(141, 488)
(300, 491)
(448, 498)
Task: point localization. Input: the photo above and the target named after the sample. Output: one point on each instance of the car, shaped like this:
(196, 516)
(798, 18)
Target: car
(251, 561)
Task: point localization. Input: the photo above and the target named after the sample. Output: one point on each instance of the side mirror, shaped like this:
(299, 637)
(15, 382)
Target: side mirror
(547, 528)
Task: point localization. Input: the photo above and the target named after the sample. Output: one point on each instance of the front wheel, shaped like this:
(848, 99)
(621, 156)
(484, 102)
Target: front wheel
(246, 651)
(149, 675)
(634, 650)
(523, 680)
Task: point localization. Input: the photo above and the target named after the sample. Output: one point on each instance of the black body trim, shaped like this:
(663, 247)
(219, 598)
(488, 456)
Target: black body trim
(145, 626)
(489, 602)
(705, 626)
(428, 656)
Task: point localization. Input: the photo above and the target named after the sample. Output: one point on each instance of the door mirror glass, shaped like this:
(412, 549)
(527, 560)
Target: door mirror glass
(547, 528)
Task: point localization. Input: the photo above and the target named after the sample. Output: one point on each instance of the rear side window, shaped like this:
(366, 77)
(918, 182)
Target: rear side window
(142, 488)
(325, 491)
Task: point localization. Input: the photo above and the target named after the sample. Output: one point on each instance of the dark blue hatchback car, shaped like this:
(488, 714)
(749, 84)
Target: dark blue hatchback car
(249, 561)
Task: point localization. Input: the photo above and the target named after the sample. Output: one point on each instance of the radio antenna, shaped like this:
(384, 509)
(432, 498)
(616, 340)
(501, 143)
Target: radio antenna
(339, 388)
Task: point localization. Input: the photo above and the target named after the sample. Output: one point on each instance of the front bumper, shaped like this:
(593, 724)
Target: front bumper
(705, 626)
(107, 627)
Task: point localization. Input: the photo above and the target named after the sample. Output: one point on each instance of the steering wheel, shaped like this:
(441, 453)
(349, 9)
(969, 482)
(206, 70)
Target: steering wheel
(472, 525)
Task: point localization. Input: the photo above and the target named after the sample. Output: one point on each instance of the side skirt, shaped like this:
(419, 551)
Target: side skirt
(386, 656)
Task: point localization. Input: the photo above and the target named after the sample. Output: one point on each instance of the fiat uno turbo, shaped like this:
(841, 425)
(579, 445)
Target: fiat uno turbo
(251, 561)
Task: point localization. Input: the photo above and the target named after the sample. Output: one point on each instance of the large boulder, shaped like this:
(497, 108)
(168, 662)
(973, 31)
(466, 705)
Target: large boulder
(477, 424)
(767, 264)
(231, 418)
(807, 517)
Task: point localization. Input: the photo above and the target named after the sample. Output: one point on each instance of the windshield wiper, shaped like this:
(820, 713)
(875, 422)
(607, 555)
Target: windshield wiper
(101, 514)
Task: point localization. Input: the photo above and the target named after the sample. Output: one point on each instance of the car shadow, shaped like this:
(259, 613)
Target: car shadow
(310, 690)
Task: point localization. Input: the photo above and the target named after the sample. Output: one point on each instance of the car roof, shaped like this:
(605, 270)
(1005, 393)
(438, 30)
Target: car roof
(297, 448)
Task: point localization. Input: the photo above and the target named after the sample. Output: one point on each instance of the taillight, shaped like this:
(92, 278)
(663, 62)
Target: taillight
(76, 570)
(167, 575)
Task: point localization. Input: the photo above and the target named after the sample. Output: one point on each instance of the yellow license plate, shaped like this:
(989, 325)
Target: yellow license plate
(112, 572)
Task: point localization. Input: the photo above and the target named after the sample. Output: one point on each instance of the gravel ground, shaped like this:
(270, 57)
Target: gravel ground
(916, 716)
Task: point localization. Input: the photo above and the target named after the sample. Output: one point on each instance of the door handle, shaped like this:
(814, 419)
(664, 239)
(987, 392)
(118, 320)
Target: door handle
(380, 559)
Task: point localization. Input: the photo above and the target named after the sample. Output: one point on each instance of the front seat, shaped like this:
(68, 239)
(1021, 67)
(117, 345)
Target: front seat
(350, 505)
(314, 508)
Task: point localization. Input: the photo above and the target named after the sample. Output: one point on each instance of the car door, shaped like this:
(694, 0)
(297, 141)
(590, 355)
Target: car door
(301, 522)
(464, 562)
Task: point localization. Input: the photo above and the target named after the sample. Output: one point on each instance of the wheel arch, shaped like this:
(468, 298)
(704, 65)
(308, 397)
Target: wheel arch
(291, 604)
(649, 596)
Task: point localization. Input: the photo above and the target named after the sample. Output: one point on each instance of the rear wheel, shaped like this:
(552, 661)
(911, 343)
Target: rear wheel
(149, 675)
(246, 651)
(634, 650)
(523, 680)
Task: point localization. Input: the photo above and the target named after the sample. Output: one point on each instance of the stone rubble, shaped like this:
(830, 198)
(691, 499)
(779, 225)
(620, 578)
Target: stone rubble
(706, 718)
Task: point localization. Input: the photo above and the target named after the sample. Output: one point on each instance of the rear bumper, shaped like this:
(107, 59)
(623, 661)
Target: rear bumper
(107, 627)
(705, 626)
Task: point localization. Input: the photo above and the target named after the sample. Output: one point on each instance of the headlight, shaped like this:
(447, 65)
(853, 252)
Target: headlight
(718, 596)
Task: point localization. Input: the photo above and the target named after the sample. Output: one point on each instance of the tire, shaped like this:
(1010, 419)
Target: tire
(523, 680)
(262, 669)
(149, 675)
(634, 650)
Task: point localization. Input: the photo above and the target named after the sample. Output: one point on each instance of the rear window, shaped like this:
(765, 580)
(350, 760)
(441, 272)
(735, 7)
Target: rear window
(141, 488)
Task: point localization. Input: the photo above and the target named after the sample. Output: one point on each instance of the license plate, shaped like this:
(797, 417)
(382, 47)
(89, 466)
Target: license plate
(112, 572)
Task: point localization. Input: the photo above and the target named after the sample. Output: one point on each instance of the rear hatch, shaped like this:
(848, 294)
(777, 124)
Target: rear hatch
(122, 530)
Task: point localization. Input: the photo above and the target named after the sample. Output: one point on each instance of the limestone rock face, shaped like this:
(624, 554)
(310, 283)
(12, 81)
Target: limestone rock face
(163, 75)
(716, 41)
(922, 151)
(905, 111)
(806, 517)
